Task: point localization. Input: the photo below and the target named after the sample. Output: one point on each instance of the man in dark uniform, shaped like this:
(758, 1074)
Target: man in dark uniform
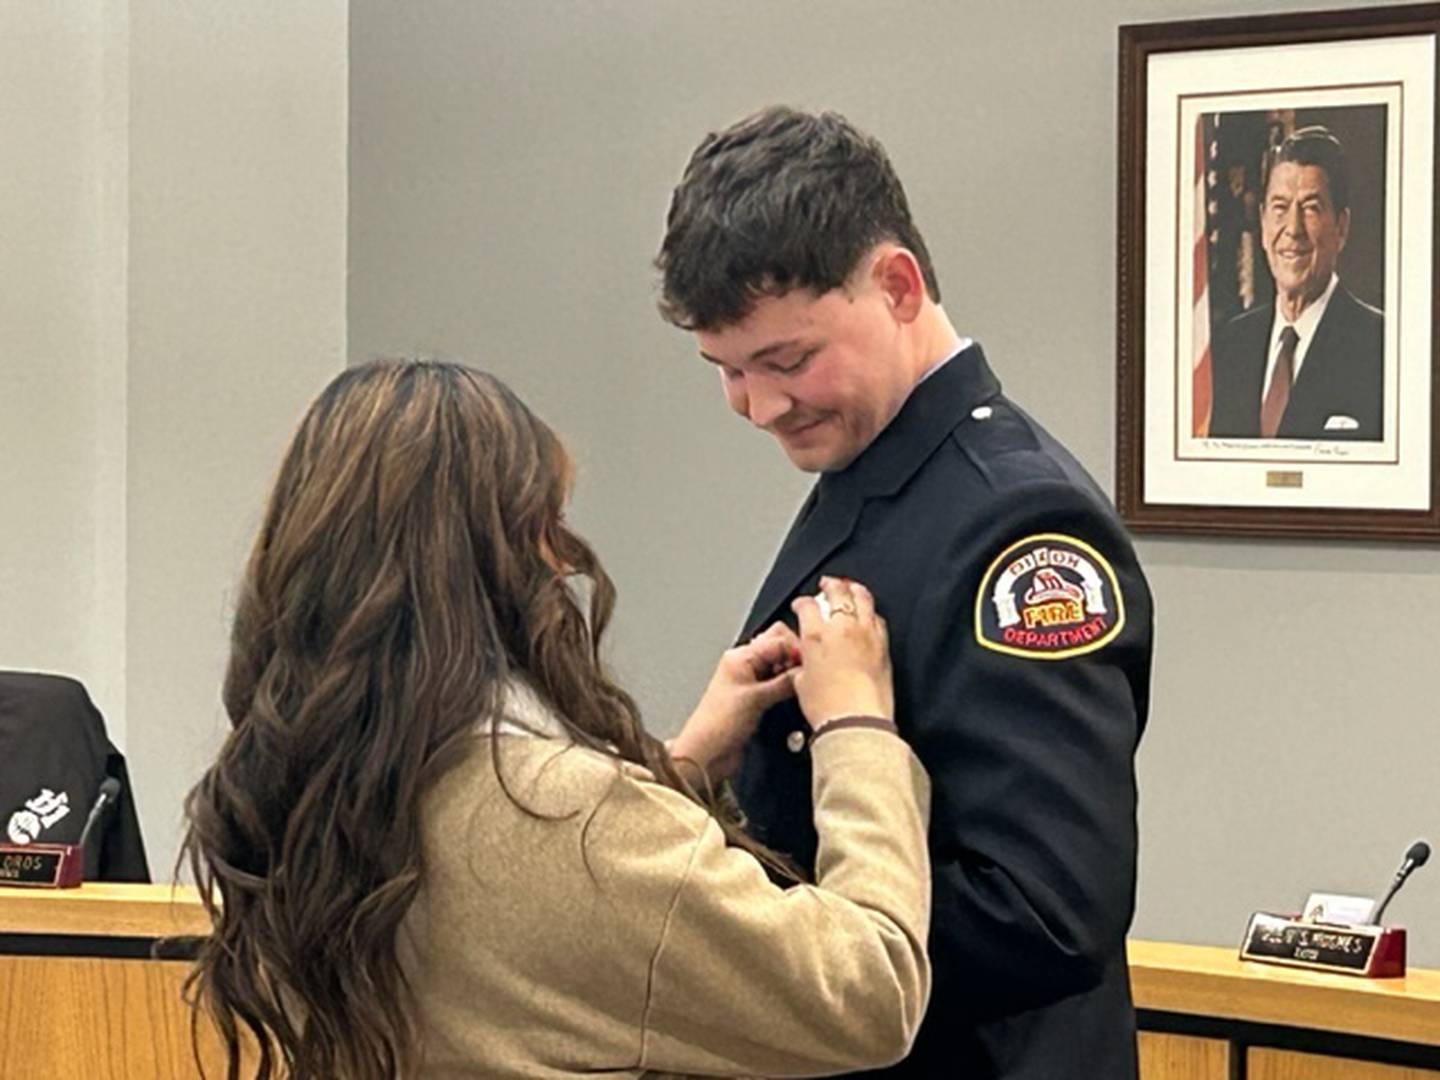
(1020, 620)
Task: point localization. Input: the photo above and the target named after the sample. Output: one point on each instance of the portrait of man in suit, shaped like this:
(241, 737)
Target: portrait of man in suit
(1310, 364)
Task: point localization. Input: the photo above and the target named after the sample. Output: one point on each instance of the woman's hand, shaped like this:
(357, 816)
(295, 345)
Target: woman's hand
(748, 680)
(845, 666)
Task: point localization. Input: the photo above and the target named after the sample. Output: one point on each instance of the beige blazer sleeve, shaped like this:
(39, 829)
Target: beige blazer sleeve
(752, 978)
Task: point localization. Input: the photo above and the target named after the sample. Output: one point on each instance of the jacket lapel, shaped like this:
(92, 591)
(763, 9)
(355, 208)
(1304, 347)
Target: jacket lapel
(1315, 381)
(1252, 380)
(814, 535)
(829, 515)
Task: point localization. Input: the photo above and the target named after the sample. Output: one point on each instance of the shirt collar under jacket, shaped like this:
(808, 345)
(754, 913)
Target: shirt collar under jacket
(955, 351)
(522, 713)
(1305, 327)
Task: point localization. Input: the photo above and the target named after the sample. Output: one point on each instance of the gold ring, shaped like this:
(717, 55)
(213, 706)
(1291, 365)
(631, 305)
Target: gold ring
(846, 608)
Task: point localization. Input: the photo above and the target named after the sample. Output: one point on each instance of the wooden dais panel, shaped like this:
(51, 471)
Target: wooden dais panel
(1183, 1057)
(1288, 1065)
(98, 1019)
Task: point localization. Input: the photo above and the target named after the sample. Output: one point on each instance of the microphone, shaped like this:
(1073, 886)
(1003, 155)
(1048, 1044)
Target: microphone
(110, 791)
(1416, 855)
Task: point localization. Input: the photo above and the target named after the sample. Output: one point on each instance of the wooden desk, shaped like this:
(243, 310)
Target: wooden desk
(1206, 1015)
(79, 994)
(80, 997)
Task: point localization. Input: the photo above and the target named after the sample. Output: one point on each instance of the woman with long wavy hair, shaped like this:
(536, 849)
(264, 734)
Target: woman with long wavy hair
(438, 840)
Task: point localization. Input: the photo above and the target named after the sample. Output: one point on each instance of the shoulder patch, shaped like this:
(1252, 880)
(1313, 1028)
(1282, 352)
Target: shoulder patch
(1048, 597)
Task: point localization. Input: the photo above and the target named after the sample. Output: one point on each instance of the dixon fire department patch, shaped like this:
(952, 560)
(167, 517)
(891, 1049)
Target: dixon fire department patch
(1048, 597)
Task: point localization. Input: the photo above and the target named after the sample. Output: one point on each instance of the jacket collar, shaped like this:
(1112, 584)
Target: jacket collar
(930, 413)
(829, 514)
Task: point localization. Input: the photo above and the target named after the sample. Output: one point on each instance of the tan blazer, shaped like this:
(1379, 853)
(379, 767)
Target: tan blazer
(609, 931)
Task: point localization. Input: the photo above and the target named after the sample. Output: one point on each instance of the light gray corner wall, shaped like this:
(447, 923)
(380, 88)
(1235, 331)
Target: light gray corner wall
(510, 166)
(62, 406)
(236, 319)
(172, 250)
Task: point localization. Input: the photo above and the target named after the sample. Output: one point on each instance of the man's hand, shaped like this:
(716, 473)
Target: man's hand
(748, 680)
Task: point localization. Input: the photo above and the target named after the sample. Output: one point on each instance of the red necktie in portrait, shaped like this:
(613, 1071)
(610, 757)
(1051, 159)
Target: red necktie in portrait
(1277, 394)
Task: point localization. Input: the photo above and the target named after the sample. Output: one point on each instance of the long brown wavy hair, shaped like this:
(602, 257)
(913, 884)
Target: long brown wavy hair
(403, 574)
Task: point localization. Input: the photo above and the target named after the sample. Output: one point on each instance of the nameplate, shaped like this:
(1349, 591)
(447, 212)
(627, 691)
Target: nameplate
(41, 866)
(1373, 951)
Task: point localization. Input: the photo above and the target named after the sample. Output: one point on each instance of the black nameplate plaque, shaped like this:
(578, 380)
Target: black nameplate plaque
(44, 866)
(1352, 950)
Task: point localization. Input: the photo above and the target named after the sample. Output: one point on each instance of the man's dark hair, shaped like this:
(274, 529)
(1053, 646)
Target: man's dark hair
(780, 200)
(1316, 146)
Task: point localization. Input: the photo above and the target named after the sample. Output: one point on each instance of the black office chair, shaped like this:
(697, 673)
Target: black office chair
(54, 754)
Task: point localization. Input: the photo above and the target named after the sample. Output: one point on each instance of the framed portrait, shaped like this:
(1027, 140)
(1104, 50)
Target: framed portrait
(1276, 328)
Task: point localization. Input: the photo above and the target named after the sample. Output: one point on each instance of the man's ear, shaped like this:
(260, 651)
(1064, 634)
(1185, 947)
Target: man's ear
(897, 274)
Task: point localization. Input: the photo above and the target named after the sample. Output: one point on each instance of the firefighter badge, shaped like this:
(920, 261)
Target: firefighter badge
(1048, 597)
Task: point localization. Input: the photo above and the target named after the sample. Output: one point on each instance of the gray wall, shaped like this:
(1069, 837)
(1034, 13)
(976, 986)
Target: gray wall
(62, 380)
(173, 268)
(236, 249)
(510, 165)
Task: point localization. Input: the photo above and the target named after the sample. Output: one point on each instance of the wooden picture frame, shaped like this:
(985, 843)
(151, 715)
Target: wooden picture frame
(1215, 262)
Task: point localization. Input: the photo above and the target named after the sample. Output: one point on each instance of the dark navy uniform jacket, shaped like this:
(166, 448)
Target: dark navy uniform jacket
(1020, 629)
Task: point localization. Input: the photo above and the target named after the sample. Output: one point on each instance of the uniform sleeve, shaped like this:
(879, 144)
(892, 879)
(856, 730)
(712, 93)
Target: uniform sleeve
(1028, 689)
(752, 978)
